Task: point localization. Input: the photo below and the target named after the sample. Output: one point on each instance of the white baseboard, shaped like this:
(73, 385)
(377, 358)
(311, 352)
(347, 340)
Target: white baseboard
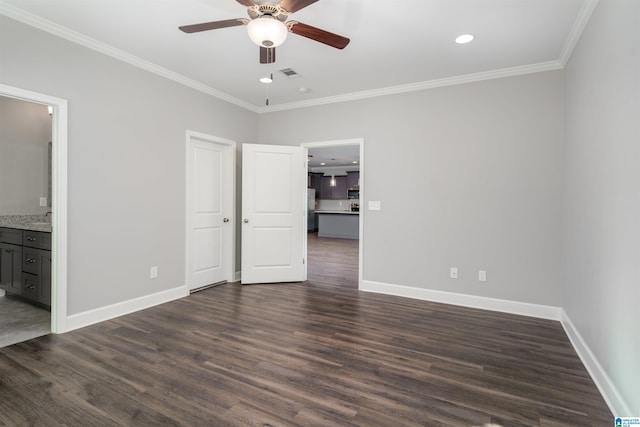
(608, 390)
(112, 311)
(505, 306)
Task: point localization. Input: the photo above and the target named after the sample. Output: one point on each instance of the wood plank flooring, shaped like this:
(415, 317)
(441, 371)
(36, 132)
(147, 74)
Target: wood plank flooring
(318, 353)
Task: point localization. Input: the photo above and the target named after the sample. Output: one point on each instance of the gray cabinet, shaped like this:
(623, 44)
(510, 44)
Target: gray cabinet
(315, 182)
(25, 264)
(11, 268)
(337, 192)
(353, 179)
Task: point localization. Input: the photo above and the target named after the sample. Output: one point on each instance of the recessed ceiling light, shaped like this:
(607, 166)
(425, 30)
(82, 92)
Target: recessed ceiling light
(355, 162)
(322, 164)
(303, 90)
(266, 79)
(465, 38)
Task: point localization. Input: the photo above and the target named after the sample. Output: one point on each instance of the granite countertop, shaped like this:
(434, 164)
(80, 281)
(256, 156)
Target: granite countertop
(27, 222)
(338, 212)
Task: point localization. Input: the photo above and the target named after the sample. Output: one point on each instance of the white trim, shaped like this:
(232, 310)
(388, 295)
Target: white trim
(112, 311)
(607, 388)
(576, 30)
(230, 201)
(414, 87)
(360, 143)
(59, 200)
(88, 42)
(485, 303)
(83, 40)
(237, 277)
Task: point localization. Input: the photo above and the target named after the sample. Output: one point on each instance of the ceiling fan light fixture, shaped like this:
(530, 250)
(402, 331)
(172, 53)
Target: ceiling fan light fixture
(267, 31)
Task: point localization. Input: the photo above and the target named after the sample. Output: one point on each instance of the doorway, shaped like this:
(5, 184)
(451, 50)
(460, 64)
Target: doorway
(210, 216)
(58, 272)
(335, 239)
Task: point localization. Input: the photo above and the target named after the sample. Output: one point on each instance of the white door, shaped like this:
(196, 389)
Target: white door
(273, 213)
(210, 188)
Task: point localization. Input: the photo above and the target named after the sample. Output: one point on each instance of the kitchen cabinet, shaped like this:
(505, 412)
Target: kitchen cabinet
(315, 182)
(337, 192)
(353, 179)
(25, 264)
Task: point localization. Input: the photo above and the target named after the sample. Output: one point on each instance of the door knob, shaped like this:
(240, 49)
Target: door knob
(246, 220)
(225, 220)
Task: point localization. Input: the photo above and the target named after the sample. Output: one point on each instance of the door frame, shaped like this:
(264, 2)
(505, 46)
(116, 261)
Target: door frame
(230, 201)
(333, 143)
(58, 199)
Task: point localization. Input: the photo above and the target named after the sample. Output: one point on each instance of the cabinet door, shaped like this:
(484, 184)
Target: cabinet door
(340, 190)
(352, 179)
(325, 188)
(44, 291)
(11, 268)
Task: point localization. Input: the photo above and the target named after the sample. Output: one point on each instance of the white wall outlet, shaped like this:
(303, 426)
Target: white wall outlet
(482, 275)
(43, 201)
(374, 205)
(453, 272)
(153, 273)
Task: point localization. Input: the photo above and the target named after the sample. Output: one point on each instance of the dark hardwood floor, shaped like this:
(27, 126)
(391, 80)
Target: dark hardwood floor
(318, 353)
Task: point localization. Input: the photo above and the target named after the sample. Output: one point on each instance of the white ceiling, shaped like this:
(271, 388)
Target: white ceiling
(396, 45)
(335, 155)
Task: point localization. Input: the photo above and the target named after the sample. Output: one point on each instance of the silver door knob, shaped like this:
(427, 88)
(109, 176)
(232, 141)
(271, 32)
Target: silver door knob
(225, 220)
(246, 220)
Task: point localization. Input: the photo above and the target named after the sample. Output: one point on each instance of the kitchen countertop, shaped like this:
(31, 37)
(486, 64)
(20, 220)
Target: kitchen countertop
(338, 212)
(26, 222)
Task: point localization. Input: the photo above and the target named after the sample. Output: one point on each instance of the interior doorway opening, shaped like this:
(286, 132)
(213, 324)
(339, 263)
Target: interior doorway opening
(335, 192)
(58, 216)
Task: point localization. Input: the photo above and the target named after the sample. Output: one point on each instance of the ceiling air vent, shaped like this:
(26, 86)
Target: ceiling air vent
(289, 72)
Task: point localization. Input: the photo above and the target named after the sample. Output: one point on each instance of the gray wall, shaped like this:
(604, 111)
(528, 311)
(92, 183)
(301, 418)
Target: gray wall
(601, 293)
(25, 132)
(468, 176)
(126, 156)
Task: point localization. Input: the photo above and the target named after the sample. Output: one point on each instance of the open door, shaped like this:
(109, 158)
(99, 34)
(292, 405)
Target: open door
(273, 213)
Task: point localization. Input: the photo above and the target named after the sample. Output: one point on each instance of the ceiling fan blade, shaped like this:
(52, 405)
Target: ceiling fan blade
(295, 5)
(267, 55)
(318, 35)
(206, 26)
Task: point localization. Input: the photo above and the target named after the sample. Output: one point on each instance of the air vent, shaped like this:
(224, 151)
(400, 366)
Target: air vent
(289, 72)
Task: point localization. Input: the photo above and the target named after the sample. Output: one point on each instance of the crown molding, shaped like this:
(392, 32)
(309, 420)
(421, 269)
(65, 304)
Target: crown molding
(576, 31)
(414, 87)
(75, 37)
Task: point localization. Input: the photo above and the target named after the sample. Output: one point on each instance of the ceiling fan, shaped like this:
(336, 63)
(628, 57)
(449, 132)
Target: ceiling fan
(267, 27)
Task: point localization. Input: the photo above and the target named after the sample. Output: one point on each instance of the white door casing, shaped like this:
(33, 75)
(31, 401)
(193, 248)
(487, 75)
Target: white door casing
(210, 206)
(58, 200)
(273, 213)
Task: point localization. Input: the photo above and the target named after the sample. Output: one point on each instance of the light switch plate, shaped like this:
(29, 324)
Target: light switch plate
(482, 275)
(374, 205)
(43, 201)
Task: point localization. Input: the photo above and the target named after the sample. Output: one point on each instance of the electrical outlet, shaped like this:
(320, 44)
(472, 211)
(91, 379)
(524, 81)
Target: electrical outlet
(482, 275)
(153, 273)
(43, 201)
(453, 272)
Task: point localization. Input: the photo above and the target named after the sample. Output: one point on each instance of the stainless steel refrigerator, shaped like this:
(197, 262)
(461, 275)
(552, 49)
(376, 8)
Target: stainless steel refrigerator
(311, 210)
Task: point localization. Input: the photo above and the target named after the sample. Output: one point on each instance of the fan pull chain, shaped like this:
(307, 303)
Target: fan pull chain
(267, 90)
